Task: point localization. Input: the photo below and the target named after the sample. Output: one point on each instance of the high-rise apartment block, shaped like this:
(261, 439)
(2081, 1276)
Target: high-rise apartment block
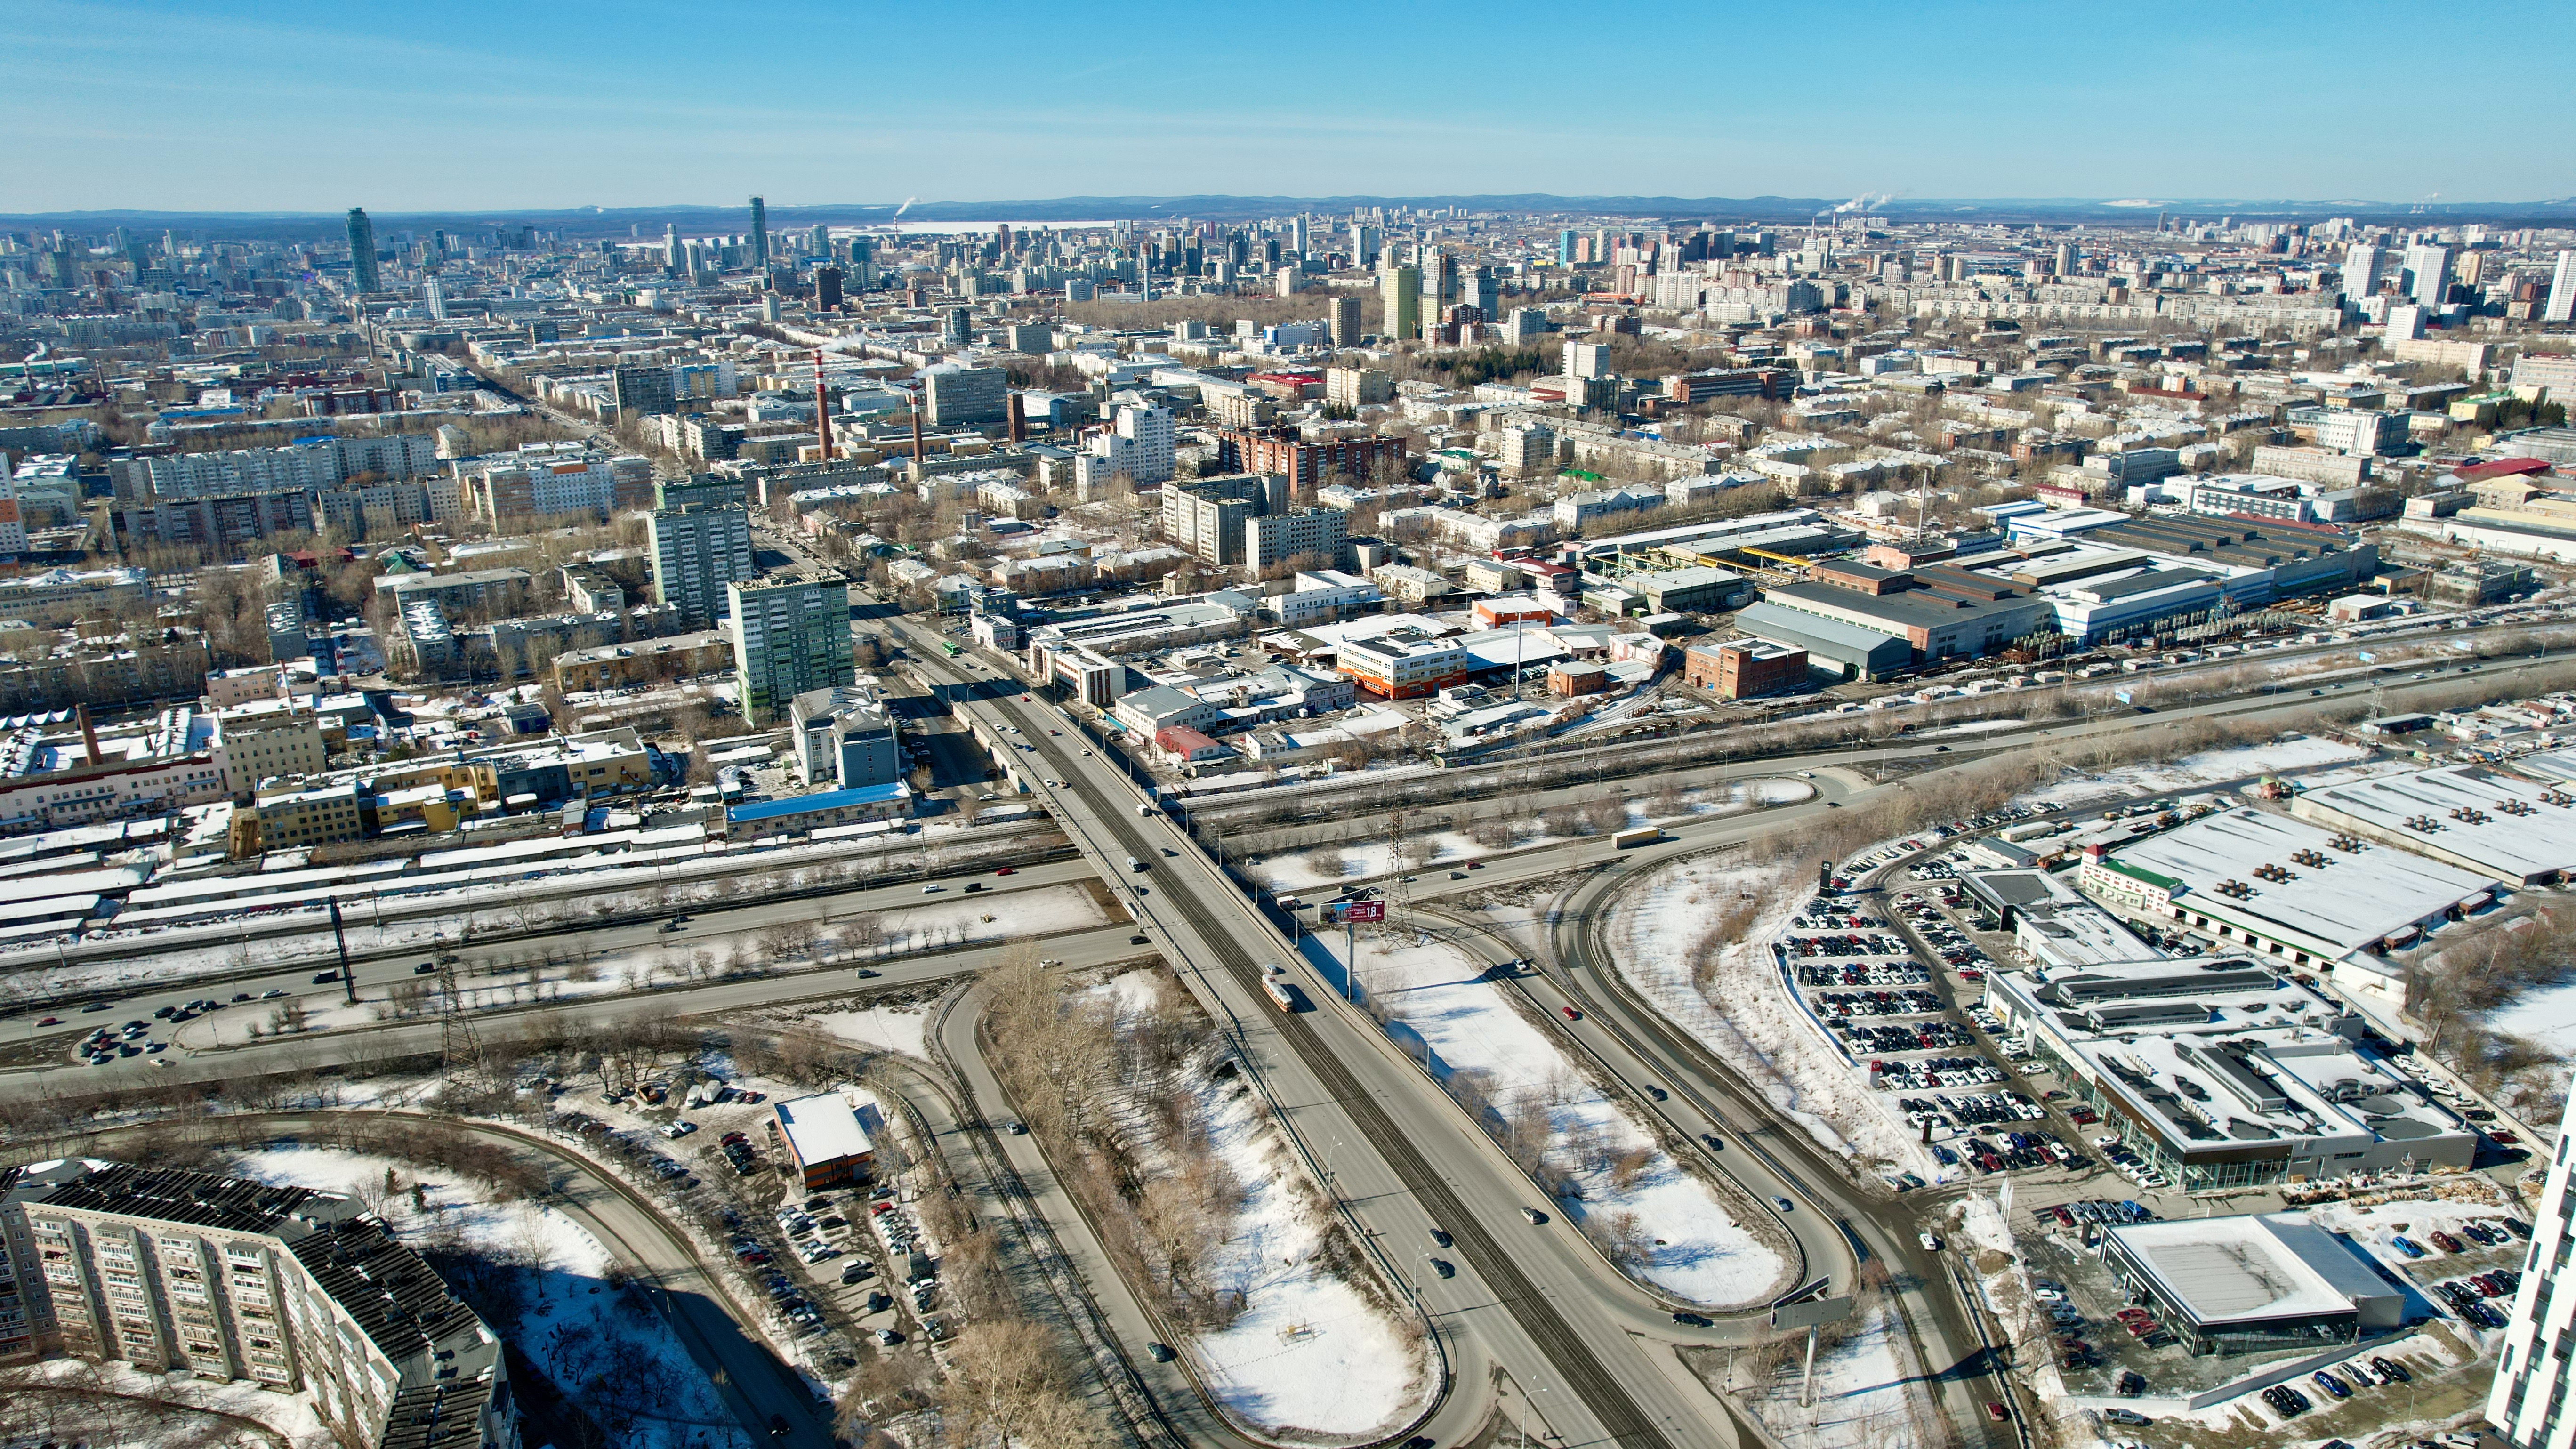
(1343, 323)
(642, 390)
(362, 251)
(2561, 305)
(791, 634)
(2428, 274)
(758, 252)
(1400, 293)
(696, 553)
(222, 1279)
(2528, 1401)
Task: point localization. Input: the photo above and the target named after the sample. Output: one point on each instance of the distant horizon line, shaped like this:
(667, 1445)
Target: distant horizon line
(1109, 210)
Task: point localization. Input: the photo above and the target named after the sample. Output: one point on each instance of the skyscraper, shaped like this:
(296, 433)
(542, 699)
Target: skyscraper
(2561, 306)
(2428, 274)
(1345, 321)
(818, 242)
(1401, 290)
(2528, 1399)
(362, 250)
(791, 633)
(759, 235)
(670, 247)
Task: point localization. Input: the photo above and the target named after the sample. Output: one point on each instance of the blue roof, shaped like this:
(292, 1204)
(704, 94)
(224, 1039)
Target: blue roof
(828, 800)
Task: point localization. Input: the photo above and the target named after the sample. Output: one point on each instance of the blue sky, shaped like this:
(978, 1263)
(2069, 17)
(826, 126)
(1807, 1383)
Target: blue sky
(545, 103)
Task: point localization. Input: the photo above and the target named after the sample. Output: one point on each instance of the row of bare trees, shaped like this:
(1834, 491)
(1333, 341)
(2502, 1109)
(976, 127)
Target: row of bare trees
(1108, 1091)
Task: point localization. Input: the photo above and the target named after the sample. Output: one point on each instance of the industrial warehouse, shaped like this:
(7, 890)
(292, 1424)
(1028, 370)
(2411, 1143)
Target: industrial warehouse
(2281, 887)
(2506, 829)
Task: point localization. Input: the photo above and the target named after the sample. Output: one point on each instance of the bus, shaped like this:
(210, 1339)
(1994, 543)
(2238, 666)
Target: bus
(949, 648)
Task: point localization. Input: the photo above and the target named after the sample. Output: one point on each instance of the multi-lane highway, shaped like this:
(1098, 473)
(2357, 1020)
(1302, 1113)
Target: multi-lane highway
(1535, 1318)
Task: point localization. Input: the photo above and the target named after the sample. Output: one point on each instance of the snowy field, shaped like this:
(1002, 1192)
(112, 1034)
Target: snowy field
(619, 1363)
(1692, 1246)
(2546, 1015)
(2209, 767)
(1363, 859)
(897, 1029)
(1655, 941)
(1309, 1351)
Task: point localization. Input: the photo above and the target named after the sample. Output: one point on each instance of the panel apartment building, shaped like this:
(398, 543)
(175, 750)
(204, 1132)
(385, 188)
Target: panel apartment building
(220, 1278)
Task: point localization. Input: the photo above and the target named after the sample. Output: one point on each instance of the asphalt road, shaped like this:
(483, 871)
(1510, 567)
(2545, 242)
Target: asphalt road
(1532, 1299)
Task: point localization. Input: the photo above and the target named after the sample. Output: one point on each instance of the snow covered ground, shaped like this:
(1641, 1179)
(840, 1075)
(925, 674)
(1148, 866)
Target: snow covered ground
(881, 1028)
(1864, 1391)
(2209, 767)
(1361, 859)
(1692, 1245)
(2547, 1015)
(1309, 1351)
(617, 1362)
(1655, 941)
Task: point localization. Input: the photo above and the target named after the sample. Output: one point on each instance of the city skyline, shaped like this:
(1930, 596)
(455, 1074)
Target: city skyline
(584, 107)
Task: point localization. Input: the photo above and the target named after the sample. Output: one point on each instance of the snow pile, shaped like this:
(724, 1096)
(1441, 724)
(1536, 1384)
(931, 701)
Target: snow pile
(625, 1367)
(1688, 1243)
(1654, 938)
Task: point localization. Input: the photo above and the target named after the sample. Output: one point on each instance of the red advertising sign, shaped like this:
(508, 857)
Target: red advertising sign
(1364, 911)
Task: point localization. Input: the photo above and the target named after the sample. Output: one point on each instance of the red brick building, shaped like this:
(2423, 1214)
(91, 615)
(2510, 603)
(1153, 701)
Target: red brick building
(1743, 668)
(1243, 450)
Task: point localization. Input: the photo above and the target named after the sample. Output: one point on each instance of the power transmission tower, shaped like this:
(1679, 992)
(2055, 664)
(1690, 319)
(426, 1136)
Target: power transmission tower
(457, 1043)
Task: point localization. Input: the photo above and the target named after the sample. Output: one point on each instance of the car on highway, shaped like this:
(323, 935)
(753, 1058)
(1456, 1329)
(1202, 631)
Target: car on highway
(51, 1021)
(319, 977)
(1443, 1267)
(97, 1006)
(1715, 1142)
(1007, 870)
(1783, 1204)
(424, 968)
(1931, 1242)
(1998, 1412)
(1160, 1352)
(272, 993)
(1658, 1093)
(930, 890)
(1570, 1013)
(1534, 1215)
(1440, 1238)
(778, 1426)
(1691, 1320)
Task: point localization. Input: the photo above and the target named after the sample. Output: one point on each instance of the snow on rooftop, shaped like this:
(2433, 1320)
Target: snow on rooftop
(2515, 830)
(823, 1128)
(2353, 900)
(2249, 1268)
